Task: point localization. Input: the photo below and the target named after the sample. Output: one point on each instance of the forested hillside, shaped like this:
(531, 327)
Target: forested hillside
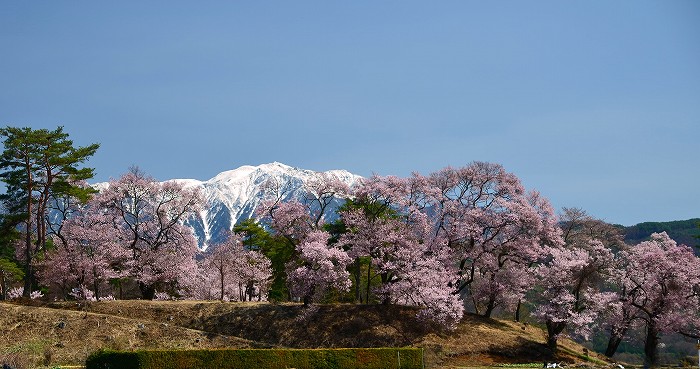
(682, 231)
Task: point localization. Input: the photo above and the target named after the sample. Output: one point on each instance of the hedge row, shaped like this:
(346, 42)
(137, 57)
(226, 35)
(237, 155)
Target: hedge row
(370, 358)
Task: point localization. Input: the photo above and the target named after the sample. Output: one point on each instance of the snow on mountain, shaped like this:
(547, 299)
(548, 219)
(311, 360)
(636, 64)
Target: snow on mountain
(233, 195)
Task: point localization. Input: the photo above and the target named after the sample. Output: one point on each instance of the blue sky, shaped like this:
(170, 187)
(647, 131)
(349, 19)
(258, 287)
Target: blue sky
(596, 104)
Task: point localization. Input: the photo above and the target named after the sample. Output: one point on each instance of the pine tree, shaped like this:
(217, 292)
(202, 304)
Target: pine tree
(37, 165)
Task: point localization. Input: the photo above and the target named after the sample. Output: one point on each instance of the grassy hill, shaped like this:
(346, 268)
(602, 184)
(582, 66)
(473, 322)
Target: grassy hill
(65, 333)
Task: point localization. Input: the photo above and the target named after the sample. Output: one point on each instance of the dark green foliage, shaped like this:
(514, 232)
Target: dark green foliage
(336, 230)
(37, 166)
(362, 277)
(8, 235)
(49, 157)
(371, 208)
(370, 358)
(275, 248)
(9, 268)
(105, 359)
(9, 272)
(684, 232)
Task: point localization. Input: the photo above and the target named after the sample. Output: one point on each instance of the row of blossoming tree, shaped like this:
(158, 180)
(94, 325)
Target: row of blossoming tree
(469, 238)
(473, 238)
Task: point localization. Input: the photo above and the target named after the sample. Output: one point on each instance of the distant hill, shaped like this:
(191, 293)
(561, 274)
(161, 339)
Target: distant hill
(682, 231)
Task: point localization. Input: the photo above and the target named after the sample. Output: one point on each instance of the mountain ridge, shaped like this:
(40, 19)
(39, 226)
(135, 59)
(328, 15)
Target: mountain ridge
(233, 195)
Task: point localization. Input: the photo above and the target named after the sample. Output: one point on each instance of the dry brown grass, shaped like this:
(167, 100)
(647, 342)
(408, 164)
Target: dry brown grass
(40, 336)
(65, 333)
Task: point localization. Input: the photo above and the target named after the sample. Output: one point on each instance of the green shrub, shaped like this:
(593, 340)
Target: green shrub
(370, 358)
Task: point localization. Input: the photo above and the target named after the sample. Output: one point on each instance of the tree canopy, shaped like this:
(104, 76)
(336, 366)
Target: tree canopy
(36, 166)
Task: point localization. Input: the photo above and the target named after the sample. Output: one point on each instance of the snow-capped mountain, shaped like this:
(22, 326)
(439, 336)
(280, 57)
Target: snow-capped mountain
(234, 195)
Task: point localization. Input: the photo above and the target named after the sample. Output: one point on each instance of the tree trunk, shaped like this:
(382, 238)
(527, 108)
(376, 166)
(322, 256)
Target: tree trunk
(96, 286)
(554, 329)
(476, 305)
(651, 344)
(28, 265)
(221, 277)
(613, 344)
(517, 311)
(28, 269)
(3, 287)
(358, 280)
(369, 279)
(250, 290)
(41, 222)
(490, 307)
(148, 292)
(42, 205)
(309, 297)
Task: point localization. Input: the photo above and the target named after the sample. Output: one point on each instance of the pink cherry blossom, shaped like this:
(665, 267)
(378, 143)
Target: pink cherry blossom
(150, 217)
(319, 268)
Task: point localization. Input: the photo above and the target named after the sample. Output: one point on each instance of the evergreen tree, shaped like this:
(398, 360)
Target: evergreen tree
(9, 270)
(37, 165)
(274, 247)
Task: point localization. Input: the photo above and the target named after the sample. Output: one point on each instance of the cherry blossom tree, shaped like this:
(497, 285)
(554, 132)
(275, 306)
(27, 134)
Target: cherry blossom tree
(411, 271)
(90, 254)
(413, 274)
(218, 264)
(254, 276)
(572, 281)
(388, 227)
(495, 230)
(289, 219)
(236, 273)
(478, 219)
(619, 316)
(580, 227)
(274, 247)
(322, 190)
(64, 206)
(296, 220)
(150, 216)
(319, 267)
(570, 294)
(364, 239)
(660, 281)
